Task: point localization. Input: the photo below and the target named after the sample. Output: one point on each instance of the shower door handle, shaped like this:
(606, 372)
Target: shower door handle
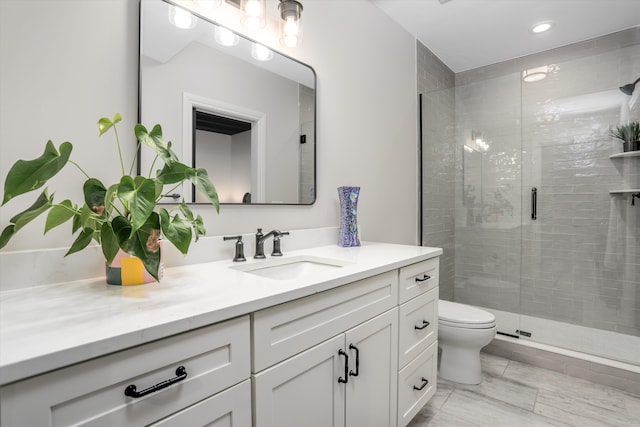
(534, 203)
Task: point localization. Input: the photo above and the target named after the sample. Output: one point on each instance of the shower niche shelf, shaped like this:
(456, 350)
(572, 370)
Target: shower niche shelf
(625, 191)
(626, 154)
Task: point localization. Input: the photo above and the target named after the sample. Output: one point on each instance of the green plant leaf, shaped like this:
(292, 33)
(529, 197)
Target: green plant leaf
(108, 242)
(155, 140)
(144, 244)
(87, 219)
(174, 172)
(176, 231)
(82, 241)
(206, 187)
(109, 199)
(105, 123)
(199, 227)
(29, 175)
(140, 195)
(94, 195)
(122, 229)
(42, 204)
(184, 208)
(59, 214)
(6, 235)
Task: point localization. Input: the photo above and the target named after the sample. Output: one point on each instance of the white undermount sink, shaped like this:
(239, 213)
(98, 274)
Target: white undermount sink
(292, 268)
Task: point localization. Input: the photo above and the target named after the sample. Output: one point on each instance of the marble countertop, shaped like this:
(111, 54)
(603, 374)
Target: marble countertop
(48, 327)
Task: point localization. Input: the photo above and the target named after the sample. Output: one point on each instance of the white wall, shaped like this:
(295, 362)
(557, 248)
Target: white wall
(65, 63)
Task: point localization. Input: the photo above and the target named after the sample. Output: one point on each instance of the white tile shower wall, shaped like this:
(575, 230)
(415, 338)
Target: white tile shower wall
(435, 82)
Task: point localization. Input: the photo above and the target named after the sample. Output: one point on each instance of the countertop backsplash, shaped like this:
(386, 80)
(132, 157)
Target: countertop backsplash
(24, 269)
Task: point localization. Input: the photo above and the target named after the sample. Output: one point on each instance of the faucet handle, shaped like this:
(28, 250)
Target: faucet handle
(239, 253)
(276, 243)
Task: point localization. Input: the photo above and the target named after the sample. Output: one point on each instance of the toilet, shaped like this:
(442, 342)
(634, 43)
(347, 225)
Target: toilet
(462, 331)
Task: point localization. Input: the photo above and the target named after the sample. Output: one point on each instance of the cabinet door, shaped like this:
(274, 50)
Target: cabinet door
(230, 408)
(372, 386)
(302, 390)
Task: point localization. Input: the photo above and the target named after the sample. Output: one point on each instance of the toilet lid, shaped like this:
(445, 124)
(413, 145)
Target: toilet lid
(462, 314)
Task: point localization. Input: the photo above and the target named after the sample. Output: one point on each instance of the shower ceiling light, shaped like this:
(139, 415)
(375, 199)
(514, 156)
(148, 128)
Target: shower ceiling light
(541, 27)
(535, 74)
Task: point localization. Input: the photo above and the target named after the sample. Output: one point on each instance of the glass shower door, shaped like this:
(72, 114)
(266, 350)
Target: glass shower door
(488, 198)
(581, 264)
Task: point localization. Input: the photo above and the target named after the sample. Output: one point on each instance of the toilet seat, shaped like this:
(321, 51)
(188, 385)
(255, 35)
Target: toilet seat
(464, 316)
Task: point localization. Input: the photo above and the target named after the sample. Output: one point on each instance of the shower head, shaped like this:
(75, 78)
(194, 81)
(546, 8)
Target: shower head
(628, 88)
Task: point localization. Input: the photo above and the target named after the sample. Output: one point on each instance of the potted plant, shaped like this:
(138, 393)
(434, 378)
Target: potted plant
(123, 216)
(629, 134)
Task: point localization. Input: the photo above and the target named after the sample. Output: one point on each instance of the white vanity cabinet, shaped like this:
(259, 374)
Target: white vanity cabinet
(215, 390)
(342, 369)
(418, 332)
(360, 353)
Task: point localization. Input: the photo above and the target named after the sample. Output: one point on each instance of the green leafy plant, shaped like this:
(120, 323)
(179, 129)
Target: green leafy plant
(629, 132)
(123, 215)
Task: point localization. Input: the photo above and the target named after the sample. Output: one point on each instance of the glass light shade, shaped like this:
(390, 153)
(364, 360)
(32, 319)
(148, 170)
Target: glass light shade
(290, 25)
(181, 18)
(254, 15)
(260, 52)
(226, 37)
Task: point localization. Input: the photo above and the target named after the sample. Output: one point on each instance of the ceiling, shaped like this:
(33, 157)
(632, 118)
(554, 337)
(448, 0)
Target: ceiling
(467, 34)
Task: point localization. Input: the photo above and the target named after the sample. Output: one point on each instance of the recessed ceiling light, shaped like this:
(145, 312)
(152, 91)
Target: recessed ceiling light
(535, 74)
(541, 27)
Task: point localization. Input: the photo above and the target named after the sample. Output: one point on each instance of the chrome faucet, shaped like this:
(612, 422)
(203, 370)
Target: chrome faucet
(260, 238)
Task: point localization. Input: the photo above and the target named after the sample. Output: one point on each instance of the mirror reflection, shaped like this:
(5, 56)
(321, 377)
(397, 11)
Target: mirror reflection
(243, 112)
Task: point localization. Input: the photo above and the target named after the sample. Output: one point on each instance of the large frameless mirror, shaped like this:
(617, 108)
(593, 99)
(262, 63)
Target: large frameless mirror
(241, 111)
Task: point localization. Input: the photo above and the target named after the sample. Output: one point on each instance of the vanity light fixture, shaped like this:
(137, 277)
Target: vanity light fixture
(290, 26)
(261, 52)
(181, 18)
(541, 27)
(226, 37)
(254, 14)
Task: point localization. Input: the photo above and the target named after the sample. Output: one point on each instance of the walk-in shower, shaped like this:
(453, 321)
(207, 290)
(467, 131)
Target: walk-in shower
(545, 235)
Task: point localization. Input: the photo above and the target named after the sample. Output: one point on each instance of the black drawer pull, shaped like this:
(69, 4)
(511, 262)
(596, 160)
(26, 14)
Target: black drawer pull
(425, 277)
(351, 373)
(131, 390)
(346, 367)
(424, 325)
(423, 385)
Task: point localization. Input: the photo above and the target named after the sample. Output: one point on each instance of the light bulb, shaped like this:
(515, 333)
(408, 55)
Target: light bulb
(291, 26)
(253, 8)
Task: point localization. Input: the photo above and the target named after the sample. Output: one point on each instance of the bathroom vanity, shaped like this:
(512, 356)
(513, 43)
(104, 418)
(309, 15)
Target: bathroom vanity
(323, 336)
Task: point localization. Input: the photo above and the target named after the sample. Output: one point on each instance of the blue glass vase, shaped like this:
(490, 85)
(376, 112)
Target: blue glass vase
(348, 216)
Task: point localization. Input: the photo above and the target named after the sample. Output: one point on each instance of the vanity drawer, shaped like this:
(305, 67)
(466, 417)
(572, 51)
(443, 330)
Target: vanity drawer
(417, 384)
(418, 325)
(232, 407)
(418, 278)
(92, 393)
(280, 332)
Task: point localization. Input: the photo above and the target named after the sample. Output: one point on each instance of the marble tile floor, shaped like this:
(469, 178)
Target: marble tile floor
(514, 394)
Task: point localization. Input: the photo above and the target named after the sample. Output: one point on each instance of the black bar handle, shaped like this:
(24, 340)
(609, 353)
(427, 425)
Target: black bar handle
(351, 373)
(424, 278)
(424, 325)
(346, 367)
(131, 390)
(534, 203)
(423, 385)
